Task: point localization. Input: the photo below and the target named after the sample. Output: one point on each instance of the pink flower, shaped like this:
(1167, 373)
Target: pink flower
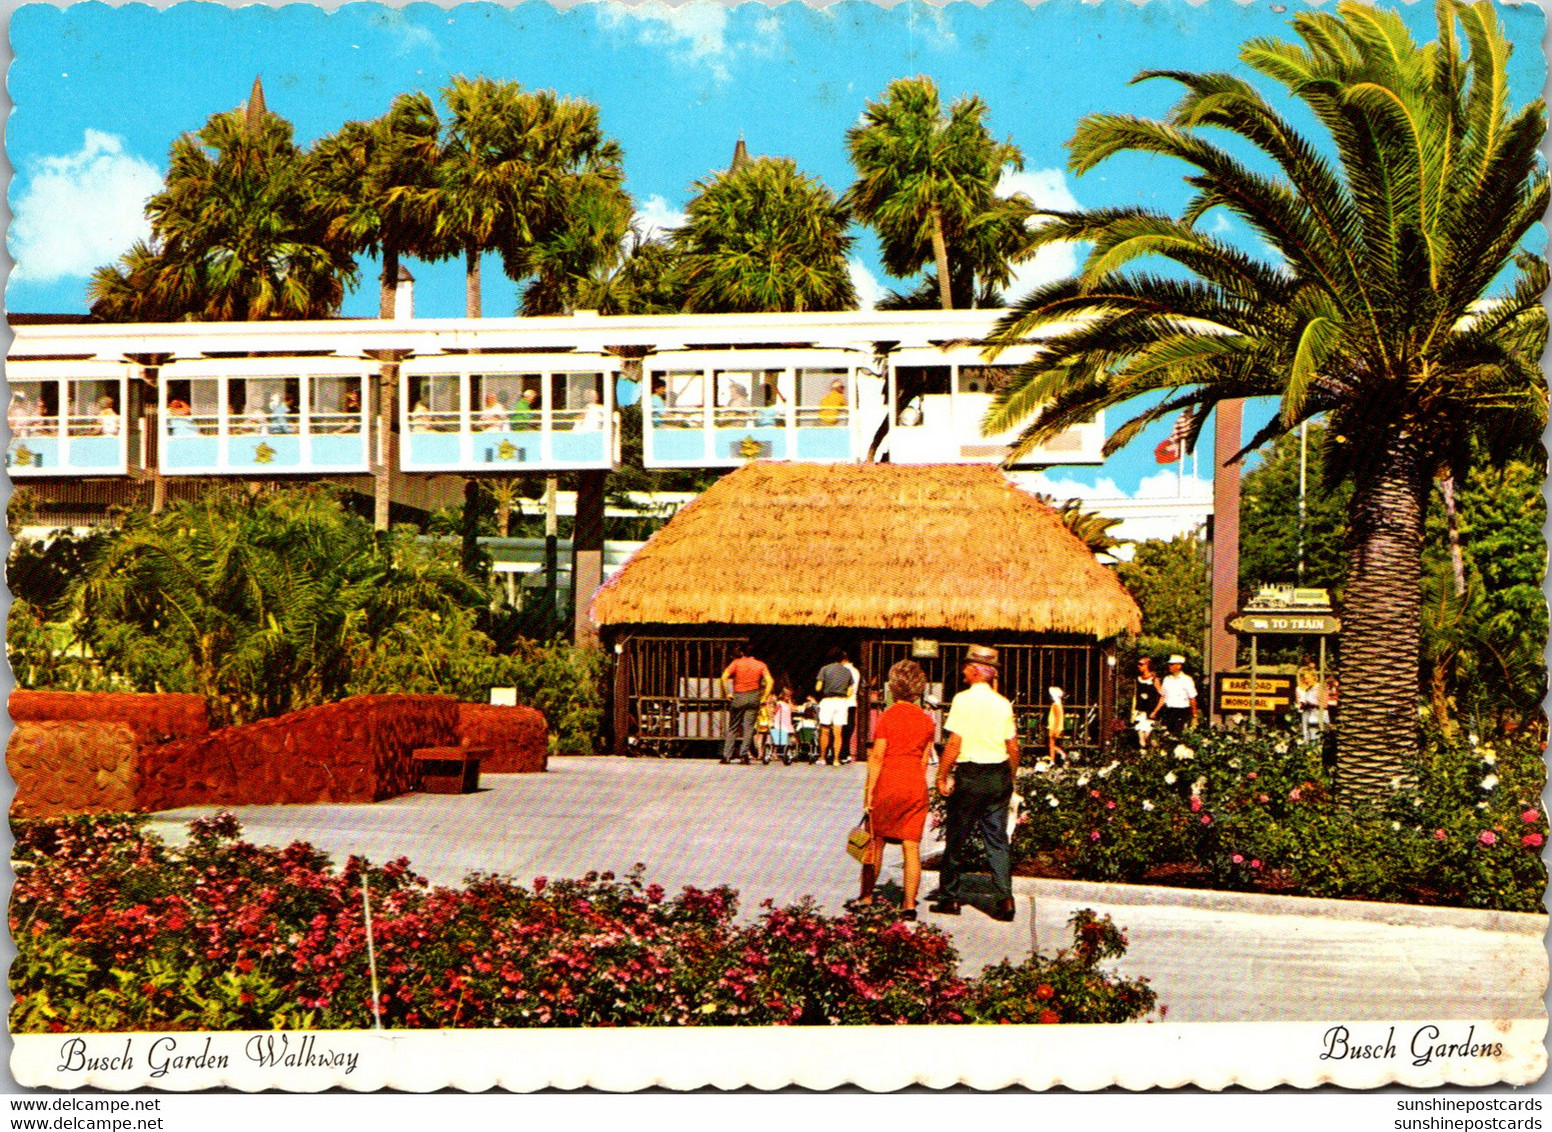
(1532, 840)
(1263, 798)
(1237, 859)
(1440, 835)
(1255, 864)
(1196, 805)
(1530, 816)
(1487, 837)
(1207, 819)
(1293, 795)
(1109, 805)
(1094, 835)
(1252, 776)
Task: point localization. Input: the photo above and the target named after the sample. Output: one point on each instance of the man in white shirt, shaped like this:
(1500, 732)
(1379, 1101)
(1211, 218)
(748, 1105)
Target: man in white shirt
(1176, 709)
(982, 756)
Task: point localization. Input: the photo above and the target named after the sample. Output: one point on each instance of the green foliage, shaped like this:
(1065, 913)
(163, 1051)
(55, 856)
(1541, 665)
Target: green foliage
(764, 237)
(1258, 811)
(1269, 519)
(235, 235)
(1168, 577)
(927, 183)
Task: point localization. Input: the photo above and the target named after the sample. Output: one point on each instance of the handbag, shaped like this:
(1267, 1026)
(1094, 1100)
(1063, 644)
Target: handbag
(858, 840)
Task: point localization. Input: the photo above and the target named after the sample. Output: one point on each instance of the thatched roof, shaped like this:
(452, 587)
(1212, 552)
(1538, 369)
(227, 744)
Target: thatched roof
(879, 546)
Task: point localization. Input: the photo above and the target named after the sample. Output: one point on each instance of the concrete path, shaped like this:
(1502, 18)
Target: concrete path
(778, 833)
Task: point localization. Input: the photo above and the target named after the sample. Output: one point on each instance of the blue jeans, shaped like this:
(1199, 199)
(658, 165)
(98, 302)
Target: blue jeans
(742, 713)
(979, 802)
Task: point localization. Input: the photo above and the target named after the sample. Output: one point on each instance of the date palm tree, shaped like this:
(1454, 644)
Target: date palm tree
(235, 234)
(1397, 303)
(764, 237)
(927, 182)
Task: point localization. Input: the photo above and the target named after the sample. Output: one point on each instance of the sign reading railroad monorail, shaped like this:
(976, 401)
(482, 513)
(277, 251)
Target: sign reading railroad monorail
(1232, 692)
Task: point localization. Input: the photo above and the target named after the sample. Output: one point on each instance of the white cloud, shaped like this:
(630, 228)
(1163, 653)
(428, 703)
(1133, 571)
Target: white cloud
(1164, 484)
(934, 30)
(693, 33)
(869, 289)
(656, 217)
(81, 210)
(1047, 188)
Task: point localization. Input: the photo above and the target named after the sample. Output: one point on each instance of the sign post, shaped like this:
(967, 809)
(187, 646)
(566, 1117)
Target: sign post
(1294, 613)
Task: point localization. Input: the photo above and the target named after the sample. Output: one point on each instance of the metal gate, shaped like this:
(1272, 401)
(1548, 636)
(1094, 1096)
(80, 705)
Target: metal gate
(1081, 671)
(668, 694)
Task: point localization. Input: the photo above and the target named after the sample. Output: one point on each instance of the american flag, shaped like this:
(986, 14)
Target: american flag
(1171, 449)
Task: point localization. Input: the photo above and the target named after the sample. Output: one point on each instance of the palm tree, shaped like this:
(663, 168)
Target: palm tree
(234, 234)
(1382, 311)
(927, 182)
(532, 175)
(764, 237)
(375, 181)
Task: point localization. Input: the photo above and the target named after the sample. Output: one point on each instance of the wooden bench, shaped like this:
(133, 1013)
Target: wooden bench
(449, 770)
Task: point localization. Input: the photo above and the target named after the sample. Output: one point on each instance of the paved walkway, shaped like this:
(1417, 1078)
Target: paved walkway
(777, 833)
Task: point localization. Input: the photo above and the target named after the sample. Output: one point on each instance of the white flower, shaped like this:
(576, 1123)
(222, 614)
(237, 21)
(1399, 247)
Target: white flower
(1169, 779)
(1042, 766)
(1395, 825)
(1083, 780)
(1488, 756)
(1183, 752)
(1106, 772)
(1147, 805)
(1472, 739)
(1234, 763)
(1050, 800)
(1281, 748)
(1198, 786)
(1489, 782)
(1417, 801)
(1481, 805)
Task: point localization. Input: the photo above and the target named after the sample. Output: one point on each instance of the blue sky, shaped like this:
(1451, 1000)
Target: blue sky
(100, 93)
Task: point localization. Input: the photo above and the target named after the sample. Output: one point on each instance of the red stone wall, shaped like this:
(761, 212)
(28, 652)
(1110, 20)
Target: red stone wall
(357, 750)
(71, 768)
(517, 736)
(155, 717)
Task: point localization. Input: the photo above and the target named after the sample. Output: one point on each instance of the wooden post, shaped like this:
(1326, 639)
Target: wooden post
(1225, 540)
(587, 554)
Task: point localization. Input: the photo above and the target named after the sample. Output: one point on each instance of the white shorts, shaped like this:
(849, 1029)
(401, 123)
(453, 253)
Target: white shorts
(832, 711)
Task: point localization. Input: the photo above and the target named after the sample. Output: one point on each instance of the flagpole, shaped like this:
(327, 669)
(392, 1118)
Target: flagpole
(1303, 477)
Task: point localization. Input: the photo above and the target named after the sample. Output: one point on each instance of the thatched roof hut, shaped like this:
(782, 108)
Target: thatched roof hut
(870, 546)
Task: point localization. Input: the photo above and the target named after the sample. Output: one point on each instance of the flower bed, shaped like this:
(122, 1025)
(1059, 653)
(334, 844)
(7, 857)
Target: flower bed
(1260, 813)
(117, 931)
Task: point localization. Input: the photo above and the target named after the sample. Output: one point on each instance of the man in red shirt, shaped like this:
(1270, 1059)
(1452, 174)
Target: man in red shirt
(749, 682)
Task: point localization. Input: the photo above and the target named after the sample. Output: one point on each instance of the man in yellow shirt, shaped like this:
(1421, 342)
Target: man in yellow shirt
(982, 757)
(833, 403)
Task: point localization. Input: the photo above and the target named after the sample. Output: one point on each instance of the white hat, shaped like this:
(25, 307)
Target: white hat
(1056, 693)
(1177, 659)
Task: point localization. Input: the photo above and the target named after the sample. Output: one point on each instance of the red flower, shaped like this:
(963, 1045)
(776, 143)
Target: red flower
(1207, 819)
(1440, 835)
(1530, 816)
(1094, 835)
(1196, 804)
(1532, 841)
(1255, 864)
(1487, 837)
(1044, 991)
(540, 883)
(1049, 1017)
(1237, 859)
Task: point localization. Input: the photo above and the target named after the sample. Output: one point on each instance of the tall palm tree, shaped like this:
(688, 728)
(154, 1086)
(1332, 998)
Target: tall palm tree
(234, 234)
(764, 237)
(1399, 304)
(927, 182)
(532, 175)
(375, 181)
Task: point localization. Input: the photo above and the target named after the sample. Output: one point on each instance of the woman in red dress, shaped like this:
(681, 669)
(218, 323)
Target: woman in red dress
(895, 797)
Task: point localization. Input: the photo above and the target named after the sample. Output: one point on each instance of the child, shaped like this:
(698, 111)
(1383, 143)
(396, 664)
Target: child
(781, 726)
(762, 729)
(808, 730)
